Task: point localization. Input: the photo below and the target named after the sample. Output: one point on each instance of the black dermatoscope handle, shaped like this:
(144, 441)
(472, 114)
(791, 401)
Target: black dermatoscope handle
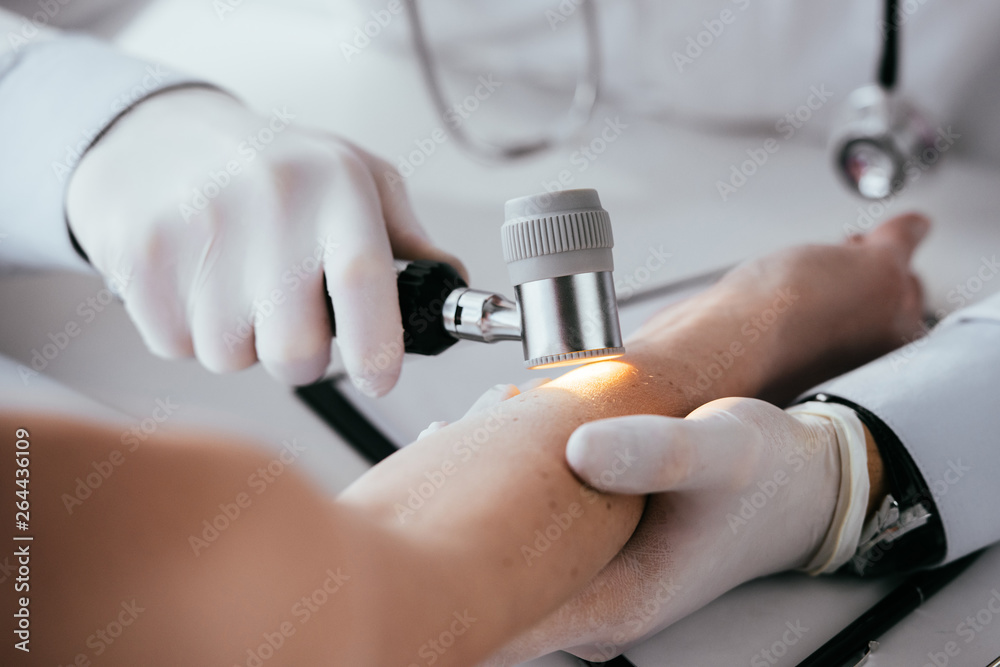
(423, 287)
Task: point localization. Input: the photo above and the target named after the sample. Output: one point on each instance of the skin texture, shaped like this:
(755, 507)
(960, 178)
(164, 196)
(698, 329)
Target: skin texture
(456, 577)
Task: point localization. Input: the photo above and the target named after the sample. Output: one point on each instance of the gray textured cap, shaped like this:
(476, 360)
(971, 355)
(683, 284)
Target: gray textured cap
(553, 234)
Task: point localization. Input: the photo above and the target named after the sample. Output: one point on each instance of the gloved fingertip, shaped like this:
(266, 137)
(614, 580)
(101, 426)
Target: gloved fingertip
(576, 455)
(373, 386)
(433, 427)
(297, 373)
(496, 394)
(505, 391)
(170, 350)
(625, 454)
(535, 384)
(585, 452)
(374, 374)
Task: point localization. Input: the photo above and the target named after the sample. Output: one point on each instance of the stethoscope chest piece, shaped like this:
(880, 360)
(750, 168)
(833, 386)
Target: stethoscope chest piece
(880, 141)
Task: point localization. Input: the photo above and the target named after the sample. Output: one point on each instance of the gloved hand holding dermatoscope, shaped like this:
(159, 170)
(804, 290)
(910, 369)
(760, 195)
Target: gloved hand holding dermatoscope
(242, 278)
(558, 251)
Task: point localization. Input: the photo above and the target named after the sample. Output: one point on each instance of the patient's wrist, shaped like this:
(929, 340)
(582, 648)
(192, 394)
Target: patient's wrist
(716, 344)
(877, 488)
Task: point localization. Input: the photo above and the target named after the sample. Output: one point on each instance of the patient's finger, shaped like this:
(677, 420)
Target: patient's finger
(493, 396)
(904, 233)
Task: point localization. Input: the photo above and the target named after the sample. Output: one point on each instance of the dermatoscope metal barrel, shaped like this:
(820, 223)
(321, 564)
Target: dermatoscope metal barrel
(557, 246)
(558, 252)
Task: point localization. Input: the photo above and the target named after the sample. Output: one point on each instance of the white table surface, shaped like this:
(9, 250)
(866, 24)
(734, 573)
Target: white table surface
(657, 181)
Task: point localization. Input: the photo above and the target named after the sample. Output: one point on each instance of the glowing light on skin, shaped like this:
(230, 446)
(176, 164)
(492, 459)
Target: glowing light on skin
(595, 379)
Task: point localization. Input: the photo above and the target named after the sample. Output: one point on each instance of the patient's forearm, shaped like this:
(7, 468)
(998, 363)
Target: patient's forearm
(493, 495)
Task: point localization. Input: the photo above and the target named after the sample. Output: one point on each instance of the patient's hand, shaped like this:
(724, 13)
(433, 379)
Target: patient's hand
(845, 304)
(809, 312)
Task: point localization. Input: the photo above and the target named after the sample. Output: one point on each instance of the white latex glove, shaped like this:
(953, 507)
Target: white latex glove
(743, 489)
(223, 223)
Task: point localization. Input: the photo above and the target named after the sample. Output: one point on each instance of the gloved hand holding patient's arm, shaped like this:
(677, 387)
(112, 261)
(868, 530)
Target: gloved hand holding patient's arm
(218, 226)
(740, 488)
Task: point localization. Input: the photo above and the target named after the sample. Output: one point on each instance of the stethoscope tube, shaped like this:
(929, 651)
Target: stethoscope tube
(578, 117)
(888, 68)
(872, 147)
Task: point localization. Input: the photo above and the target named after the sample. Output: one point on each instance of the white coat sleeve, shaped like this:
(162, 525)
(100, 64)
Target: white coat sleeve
(58, 92)
(939, 395)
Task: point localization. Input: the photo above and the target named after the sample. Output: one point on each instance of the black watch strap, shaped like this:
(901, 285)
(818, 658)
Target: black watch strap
(921, 542)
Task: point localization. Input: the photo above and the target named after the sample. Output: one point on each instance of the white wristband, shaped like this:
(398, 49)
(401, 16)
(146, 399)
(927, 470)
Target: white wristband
(842, 538)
